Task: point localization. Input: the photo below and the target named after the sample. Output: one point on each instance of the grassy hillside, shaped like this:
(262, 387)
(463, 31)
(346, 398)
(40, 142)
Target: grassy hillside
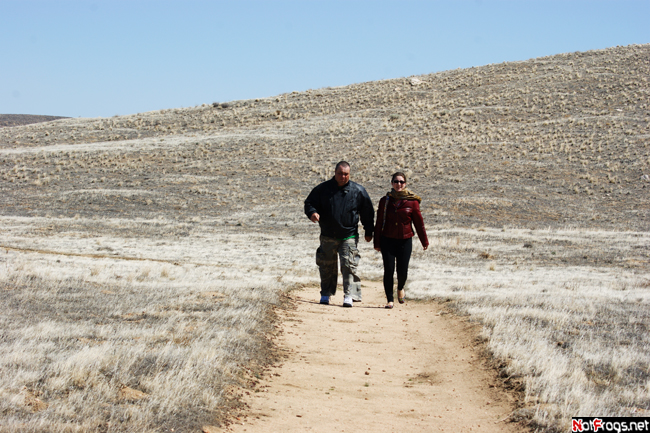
(554, 141)
(145, 231)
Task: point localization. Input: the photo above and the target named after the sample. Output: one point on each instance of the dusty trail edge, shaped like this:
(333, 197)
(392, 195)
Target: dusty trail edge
(366, 368)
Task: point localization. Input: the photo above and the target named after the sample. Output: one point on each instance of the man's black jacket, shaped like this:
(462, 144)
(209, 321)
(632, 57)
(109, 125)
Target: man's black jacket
(340, 209)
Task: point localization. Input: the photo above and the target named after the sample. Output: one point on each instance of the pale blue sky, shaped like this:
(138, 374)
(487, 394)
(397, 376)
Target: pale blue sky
(103, 58)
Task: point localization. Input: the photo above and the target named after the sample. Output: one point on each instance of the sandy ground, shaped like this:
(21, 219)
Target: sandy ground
(366, 368)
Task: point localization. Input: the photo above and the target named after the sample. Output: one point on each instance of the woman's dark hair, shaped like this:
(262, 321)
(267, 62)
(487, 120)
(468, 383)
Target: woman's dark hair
(399, 173)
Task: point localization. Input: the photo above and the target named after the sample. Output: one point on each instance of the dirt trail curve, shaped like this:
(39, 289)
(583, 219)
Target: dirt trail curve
(367, 368)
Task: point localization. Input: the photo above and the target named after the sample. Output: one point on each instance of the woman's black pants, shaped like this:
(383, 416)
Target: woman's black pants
(395, 251)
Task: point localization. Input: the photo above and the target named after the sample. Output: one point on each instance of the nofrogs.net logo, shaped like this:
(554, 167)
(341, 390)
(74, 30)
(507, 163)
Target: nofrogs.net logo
(610, 424)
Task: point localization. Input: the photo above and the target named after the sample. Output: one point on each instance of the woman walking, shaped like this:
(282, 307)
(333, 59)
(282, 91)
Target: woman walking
(398, 210)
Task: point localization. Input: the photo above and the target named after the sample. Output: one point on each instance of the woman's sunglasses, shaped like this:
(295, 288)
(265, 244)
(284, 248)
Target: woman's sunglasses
(399, 181)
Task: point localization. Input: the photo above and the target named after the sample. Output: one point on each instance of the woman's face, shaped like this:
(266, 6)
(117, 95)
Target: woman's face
(399, 184)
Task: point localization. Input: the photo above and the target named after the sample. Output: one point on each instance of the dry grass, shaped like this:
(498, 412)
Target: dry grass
(134, 325)
(573, 337)
(144, 253)
(107, 344)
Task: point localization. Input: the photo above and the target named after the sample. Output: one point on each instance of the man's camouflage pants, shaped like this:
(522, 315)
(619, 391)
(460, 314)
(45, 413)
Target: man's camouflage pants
(348, 254)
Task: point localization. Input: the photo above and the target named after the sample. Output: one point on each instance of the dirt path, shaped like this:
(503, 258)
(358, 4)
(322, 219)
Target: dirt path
(370, 369)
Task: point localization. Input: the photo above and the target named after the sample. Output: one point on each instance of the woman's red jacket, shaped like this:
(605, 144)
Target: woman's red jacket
(399, 216)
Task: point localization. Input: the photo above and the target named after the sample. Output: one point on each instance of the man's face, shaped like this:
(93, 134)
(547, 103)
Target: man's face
(342, 175)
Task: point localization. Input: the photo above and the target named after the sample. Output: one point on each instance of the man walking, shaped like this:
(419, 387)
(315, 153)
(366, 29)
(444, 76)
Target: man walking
(337, 205)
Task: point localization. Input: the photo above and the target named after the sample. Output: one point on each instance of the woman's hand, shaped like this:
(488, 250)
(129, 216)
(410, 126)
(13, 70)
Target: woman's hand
(425, 248)
(378, 249)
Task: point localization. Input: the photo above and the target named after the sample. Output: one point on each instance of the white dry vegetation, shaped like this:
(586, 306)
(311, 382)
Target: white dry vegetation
(142, 256)
(118, 334)
(572, 337)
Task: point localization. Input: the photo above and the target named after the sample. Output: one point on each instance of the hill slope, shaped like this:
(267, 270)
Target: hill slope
(555, 141)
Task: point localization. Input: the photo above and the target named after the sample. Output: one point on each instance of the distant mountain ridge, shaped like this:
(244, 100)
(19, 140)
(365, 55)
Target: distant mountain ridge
(25, 119)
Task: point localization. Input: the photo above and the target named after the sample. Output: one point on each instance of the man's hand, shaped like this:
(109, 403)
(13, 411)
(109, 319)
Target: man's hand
(378, 249)
(368, 238)
(314, 217)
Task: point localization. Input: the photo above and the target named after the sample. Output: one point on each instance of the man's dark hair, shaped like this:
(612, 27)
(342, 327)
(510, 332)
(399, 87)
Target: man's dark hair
(342, 164)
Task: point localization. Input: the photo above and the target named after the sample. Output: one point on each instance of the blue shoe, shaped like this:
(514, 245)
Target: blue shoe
(325, 300)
